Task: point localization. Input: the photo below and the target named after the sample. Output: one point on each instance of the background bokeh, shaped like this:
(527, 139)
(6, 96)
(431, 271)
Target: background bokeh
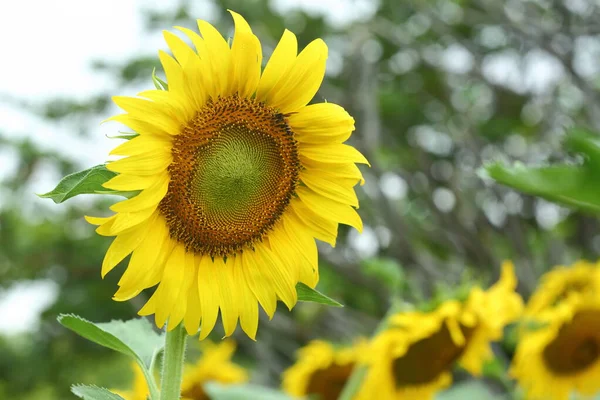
(437, 89)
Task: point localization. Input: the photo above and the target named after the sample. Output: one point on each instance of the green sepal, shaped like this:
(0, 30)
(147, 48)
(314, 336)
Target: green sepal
(124, 135)
(306, 293)
(91, 392)
(88, 181)
(159, 84)
(575, 185)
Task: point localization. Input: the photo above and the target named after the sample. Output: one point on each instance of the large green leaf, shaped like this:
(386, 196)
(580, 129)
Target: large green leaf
(306, 293)
(88, 181)
(94, 393)
(134, 338)
(574, 185)
(243, 392)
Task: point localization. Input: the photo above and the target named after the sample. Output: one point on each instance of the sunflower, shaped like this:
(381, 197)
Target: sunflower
(413, 358)
(214, 366)
(556, 285)
(561, 353)
(236, 175)
(321, 370)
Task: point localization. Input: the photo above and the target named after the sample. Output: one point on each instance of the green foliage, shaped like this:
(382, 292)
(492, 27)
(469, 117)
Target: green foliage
(306, 293)
(88, 181)
(94, 393)
(574, 185)
(242, 392)
(134, 338)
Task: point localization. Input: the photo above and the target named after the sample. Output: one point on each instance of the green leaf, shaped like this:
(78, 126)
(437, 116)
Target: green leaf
(306, 293)
(88, 181)
(243, 392)
(134, 338)
(574, 185)
(468, 390)
(94, 393)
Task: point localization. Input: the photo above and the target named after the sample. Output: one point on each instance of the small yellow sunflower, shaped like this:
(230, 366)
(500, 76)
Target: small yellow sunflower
(321, 370)
(237, 177)
(556, 285)
(214, 366)
(561, 354)
(139, 391)
(413, 358)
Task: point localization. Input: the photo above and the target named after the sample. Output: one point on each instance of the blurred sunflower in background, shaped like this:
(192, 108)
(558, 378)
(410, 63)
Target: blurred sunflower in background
(322, 370)
(413, 358)
(236, 175)
(214, 365)
(556, 285)
(560, 353)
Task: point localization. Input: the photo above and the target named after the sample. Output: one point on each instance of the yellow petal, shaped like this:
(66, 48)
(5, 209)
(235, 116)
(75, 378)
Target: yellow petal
(123, 245)
(193, 312)
(192, 69)
(282, 276)
(300, 84)
(321, 228)
(150, 110)
(218, 54)
(331, 153)
(246, 58)
(147, 198)
(321, 123)
(98, 220)
(247, 302)
(152, 125)
(170, 284)
(180, 306)
(223, 272)
(209, 295)
(279, 64)
(329, 188)
(127, 182)
(260, 284)
(306, 250)
(150, 163)
(145, 256)
(330, 209)
(338, 171)
(125, 221)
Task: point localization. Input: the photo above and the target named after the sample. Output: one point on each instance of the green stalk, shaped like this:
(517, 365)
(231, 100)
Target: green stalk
(359, 373)
(173, 358)
(152, 388)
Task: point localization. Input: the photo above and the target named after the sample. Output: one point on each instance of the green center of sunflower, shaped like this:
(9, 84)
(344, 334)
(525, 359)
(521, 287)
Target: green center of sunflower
(328, 383)
(234, 171)
(427, 359)
(576, 346)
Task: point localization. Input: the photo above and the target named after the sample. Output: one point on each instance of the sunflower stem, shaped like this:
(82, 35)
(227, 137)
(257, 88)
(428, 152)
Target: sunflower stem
(352, 386)
(173, 359)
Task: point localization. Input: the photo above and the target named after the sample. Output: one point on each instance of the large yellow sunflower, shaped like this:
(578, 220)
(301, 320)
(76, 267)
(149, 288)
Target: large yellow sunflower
(556, 285)
(322, 370)
(237, 177)
(413, 358)
(561, 353)
(213, 366)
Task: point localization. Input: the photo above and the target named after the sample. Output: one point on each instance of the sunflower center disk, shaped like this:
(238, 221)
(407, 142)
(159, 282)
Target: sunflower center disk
(329, 382)
(235, 168)
(577, 345)
(426, 359)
